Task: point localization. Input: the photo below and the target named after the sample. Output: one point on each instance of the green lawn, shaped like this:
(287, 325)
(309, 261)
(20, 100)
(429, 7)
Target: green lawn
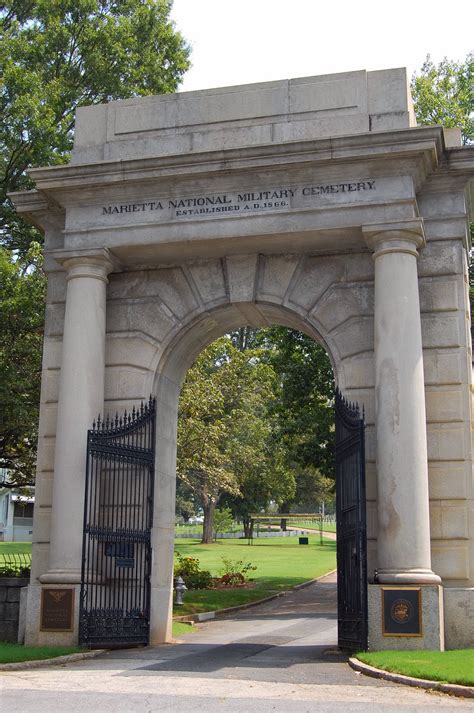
(14, 653)
(281, 563)
(181, 627)
(13, 548)
(313, 525)
(443, 666)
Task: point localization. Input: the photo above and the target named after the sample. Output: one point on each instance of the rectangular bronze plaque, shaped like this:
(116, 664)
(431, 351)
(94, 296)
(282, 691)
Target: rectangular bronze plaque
(57, 610)
(401, 611)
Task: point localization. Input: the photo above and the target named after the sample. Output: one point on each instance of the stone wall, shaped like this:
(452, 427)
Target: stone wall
(10, 591)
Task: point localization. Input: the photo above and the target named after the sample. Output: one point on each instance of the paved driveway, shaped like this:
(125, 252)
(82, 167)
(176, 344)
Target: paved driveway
(277, 657)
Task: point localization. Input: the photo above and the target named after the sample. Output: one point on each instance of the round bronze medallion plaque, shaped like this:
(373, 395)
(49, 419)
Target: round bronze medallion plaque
(401, 611)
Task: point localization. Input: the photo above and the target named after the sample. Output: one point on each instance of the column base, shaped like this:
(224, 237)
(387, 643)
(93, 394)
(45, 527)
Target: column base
(61, 576)
(407, 576)
(405, 617)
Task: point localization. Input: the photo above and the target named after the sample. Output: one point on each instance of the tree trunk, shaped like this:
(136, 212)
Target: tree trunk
(248, 528)
(284, 508)
(208, 524)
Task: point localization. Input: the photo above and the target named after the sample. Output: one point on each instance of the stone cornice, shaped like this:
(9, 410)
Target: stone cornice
(426, 143)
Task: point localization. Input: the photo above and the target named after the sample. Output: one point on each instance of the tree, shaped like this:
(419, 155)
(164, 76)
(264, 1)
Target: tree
(21, 316)
(57, 55)
(304, 411)
(223, 433)
(223, 520)
(444, 94)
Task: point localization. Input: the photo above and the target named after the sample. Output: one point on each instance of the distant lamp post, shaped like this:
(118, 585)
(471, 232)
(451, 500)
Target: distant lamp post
(180, 589)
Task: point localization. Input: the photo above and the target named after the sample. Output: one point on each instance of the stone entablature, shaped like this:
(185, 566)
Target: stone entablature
(150, 287)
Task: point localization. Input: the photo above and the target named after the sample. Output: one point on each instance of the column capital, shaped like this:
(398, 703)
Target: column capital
(91, 263)
(404, 236)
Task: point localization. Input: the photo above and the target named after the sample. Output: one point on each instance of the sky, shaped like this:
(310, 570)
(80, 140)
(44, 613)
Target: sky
(247, 41)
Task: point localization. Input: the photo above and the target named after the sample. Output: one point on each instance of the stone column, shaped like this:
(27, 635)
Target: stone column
(81, 399)
(403, 541)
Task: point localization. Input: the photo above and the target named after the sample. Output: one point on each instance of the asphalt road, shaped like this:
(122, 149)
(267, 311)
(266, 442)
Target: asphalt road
(280, 656)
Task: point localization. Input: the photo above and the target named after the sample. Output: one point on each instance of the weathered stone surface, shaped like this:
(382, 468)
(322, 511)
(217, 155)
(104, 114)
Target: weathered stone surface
(230, 117)
(451, 560)
(459, 618)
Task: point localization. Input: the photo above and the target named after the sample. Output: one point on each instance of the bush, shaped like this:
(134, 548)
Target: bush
(15, 564)
(194, 577)
(234, 572)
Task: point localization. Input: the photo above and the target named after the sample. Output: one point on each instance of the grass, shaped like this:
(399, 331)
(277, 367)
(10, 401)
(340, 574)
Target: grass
(443, 666)
(15, 548)
(281, 563)
(181, 627)
(15, 653)
(312, 525)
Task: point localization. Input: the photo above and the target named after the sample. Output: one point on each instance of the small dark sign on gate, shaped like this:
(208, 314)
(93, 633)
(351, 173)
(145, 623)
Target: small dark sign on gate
(57, 609)
(401, 612)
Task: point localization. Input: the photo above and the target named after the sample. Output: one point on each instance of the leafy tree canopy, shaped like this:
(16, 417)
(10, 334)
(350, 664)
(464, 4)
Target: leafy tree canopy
(225, 440)
(444, 94)
(21, 316)
(56, 55)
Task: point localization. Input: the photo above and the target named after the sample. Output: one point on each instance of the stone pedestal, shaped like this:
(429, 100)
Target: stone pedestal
(431, 619)
(34, 634)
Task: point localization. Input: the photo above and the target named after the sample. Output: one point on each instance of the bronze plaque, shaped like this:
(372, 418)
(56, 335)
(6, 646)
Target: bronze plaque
(401, 611)
(57, 610)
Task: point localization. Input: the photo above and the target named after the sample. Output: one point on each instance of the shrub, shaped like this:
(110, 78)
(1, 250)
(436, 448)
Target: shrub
(234, 572)
(7, 570)
(15, 564)
(194, 577)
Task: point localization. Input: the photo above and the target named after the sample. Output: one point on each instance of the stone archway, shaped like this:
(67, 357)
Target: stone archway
(315, 203)
(177, 358)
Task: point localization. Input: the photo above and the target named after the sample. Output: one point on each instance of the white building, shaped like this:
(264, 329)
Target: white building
(16, 516)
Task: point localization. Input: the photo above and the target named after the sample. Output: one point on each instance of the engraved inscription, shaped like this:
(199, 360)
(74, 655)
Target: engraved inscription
(57, 609)
(243, 202)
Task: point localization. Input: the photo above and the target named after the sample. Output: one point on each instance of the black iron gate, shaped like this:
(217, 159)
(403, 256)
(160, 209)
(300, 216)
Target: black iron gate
(351, 526)
(116, 554)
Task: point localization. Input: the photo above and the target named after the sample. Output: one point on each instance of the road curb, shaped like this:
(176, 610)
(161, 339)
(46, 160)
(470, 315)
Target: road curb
(36, 663)
(453, 689)
(206, 616)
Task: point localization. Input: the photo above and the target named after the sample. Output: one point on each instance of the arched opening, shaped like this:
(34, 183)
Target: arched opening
(176, 360)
